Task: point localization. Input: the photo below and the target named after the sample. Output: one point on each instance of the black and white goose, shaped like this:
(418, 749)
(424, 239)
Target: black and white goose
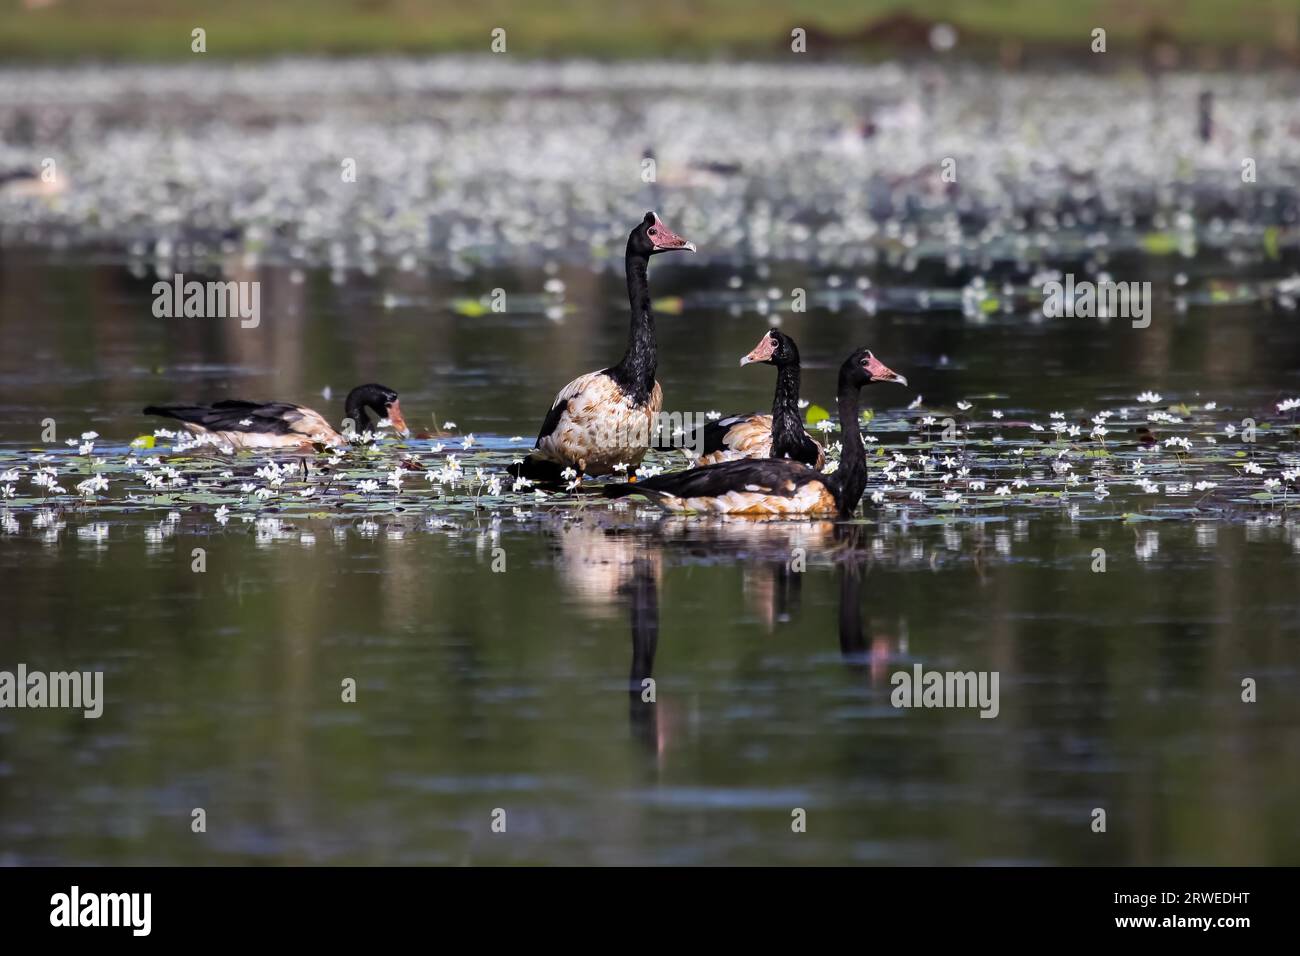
(605, 419)
(778, 486)
(245, 425)
(778, 435)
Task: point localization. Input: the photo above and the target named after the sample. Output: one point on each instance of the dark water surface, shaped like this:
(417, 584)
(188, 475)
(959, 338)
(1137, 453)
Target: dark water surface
(520, 689)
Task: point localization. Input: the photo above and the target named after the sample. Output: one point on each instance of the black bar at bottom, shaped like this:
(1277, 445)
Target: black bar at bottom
(333, 906)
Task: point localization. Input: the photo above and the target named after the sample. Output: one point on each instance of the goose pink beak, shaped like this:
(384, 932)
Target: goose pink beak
(665, 239)
(880, 372)
(761, 352)
(398, 422)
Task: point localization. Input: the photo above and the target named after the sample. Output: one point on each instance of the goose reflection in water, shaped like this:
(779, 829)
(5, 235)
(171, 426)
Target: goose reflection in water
(606, 565)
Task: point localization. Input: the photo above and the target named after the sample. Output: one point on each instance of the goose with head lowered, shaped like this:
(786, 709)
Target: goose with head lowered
(778, 486)
(245, 425)
(778, 435)
(606, 419)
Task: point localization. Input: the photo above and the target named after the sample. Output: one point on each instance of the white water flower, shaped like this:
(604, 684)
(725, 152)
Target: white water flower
(1002, 491)
(367, 486)
(93, 485)
(1151, 397)
(996, 414)
(1251, 468)
(222, 515)
(964, 406)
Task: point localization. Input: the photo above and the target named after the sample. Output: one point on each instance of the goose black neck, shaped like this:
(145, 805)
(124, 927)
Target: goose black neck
(787, 427)
(635, 372)
(355, 412)
(853, 457)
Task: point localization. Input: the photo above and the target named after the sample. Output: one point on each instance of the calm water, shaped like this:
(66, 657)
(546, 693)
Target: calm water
(520, 689)
(500, 651)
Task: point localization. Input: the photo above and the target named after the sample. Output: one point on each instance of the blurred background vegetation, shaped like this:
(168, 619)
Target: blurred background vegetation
(1198, 32)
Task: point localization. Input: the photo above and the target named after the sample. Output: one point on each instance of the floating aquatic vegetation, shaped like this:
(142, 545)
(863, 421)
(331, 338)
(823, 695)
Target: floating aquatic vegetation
(925, 464)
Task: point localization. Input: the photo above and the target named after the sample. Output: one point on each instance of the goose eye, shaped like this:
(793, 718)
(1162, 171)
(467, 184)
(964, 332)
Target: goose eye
(652, 232)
